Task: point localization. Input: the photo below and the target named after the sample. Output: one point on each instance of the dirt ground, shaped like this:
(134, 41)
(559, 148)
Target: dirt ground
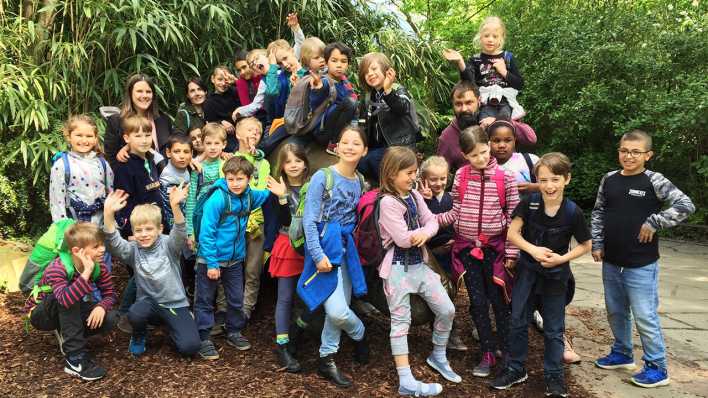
(32, 365)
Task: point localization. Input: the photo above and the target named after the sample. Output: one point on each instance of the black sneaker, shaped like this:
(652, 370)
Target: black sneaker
(84, 368)
(208, 351)
(508, 378)
(555, 387)
(237, 340)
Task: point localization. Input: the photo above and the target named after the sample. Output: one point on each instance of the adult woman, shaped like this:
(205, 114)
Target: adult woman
(137, 100)
(190, 114)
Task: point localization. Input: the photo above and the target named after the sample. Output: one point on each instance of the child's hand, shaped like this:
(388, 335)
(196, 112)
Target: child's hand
(540, 253)
(553, 260)
(500, 66)
(178, 194)
(646, 233)
(292, 21)
(278, 188)
(324, 265)
(123, 155)
(294, 79)
(389, 79)
(454, 57)
(236, 115)
(510, 263)
(484, 123)
(228, 126)
(213, 274)
(226, 156)
(230, 78)
(272, 59)
(115, 201)
(95, 318)
(425, 190)
(87, 263)
(196, 165)
(252, 145)
(419, 239)
(597, 255)
(316, 82)
(190, 243)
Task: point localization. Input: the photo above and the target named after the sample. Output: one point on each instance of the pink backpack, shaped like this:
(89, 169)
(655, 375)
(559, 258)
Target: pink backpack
(498, 178)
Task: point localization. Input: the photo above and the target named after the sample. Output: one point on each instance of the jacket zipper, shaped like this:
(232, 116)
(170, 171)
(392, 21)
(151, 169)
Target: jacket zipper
(481, 206)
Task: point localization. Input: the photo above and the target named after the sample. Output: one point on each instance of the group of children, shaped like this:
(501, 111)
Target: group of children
(504, 227)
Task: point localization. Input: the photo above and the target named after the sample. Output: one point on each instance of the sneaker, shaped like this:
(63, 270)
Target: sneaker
(84, 368)
(651, 376)
(60, 341)
(555, 387)
(421, 390)
(332, 149)
(538, 320)
(615, 360)
(137, 344)
(361, 351)
(508, 378)
(208, 351)
(569, 354)
(444, 369)
(456, 344)
(484, 368)
(124, 324)
(237, 340)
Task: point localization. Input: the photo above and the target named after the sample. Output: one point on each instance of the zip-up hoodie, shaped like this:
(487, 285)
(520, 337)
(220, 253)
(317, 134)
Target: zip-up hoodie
(226, 241)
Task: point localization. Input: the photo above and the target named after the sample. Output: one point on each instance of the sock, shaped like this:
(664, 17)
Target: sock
(282, 339)
(406, 379)
(439, 353)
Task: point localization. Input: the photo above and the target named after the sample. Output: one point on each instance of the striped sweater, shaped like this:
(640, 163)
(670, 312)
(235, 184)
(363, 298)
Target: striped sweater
(465, 217)
(211, 171)
(69, 292)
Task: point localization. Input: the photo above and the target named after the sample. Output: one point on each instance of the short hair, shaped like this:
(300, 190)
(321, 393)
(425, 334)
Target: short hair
(556, 162)
(395, 159)
(356, 129)
(83, 234)
(178, 139)
(338, 46)
(279, 44)
(433, 161)
(366, 62)
(255, 53)
(311, 47)
(72, 123)
(246, 120)
(638, 135)
(492, 20)
(471, 137)
(299, 152)
(196, 80)
(126, 107)
(238, 164)
(214, 130)
(241, 55)
(222, 68)
(462, 87)
(146, 214)
(134, 124)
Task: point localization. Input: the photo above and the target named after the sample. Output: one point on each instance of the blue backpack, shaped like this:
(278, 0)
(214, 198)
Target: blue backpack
(199, 209)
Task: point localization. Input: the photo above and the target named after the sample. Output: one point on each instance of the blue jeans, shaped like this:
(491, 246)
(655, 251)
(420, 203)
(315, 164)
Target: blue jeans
(370, 164)
(634, 292)
(205, 292)
(179, 322)
(129, 295)
(338, 315)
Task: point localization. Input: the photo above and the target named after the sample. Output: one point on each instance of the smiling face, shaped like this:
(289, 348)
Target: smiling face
(479, 156)
(633, 155)
(491, 38)
(244, 71)
(375, 76)
(180, 155)
(337, 65)
(139, 142)
(294, 168)
(195, 94)
(403, 180)
(551, 185)
(350, 147)
(287, 59)
(82, 138)
(146, 234)
(218, 79)
(503, 144)
(237, 182)
(213, 146)
(196, 137)
(436, 178)
(141, 96)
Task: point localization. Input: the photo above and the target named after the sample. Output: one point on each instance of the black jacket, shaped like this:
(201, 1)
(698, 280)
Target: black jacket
(389, 119)
(113, 140)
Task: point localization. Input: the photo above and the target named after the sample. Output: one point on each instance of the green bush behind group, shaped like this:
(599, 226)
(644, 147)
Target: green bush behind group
(593, 70)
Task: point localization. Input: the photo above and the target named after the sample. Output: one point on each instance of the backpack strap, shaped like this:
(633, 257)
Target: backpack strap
(67, 169)
(501, 189)
(507, 57)
(189, 119)
(104, 166)
(529, 164)
(464, 180)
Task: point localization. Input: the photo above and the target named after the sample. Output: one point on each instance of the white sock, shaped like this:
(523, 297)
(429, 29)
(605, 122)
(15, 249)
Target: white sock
(406, 379)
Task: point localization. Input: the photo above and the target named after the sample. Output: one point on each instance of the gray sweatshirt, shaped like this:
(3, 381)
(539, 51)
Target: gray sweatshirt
(157, 269)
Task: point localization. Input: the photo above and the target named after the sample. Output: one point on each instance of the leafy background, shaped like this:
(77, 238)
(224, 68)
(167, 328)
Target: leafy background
(593, 70)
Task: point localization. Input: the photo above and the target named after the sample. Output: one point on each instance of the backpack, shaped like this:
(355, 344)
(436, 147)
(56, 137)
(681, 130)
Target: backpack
(199, 210)
(299, 118)
(529, 164)
(64, 156)
(48, 247)
(296, 232)
(498, 178)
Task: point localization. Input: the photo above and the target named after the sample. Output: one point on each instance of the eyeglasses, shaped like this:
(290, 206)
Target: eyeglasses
(633, 153)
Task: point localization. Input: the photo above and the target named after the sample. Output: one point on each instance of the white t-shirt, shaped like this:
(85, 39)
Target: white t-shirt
(517, 165)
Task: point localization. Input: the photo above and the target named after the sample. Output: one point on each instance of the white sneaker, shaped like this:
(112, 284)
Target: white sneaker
(538, 320)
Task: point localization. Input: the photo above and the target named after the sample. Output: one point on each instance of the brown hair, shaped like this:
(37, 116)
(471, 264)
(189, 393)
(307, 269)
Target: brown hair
(299, 152)
(471, 137)
(311, 48)
(355, 129)
(638, 135)
(73, 122)
(556, 162)
(462, 87)
(212, 129)
(395, 159)
(126, 107)
(83, 234)
(366, 62)
(134, 124)
(433, 161)
(236, 165)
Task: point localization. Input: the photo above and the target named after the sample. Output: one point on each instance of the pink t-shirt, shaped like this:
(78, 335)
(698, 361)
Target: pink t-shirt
(517, 165)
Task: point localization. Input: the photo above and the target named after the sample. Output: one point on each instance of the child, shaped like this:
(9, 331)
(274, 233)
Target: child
(494, 71)
(332, 268)
(176, 173)
(483, 198)
(247, 82)
(80, 179)
(280, 79)
(258, 62)
(542, 227)
(61, 304)
(502, 142)
(386, 111)
(342, 110)
(195, 136)
(312, 54)
(627, 213)
(406, 225)
(154, 259)
(285, 263)
(220, 105)
(221, 251)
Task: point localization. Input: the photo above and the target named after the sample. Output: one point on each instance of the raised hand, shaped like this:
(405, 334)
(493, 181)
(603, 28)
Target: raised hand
(292, 20)
(278, 188)
(425, 190)
(316, 81)
(454, 57)
(115, 201)
(178, 194)
(389, 79)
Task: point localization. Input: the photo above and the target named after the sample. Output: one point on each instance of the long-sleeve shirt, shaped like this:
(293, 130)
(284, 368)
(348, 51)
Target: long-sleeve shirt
(169, 178)
(141, 180)
(481, 211)
(344, 89)
(211, 171)
(246, 89)
(480, 70)
(624, 204)
(256, 104)
(157, 268)
(89, 182)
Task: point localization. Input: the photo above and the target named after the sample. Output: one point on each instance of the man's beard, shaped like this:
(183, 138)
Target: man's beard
(467, 119)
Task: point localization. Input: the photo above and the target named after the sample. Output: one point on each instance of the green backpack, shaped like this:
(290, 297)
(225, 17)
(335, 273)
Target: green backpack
(49, 246)
(296, 232)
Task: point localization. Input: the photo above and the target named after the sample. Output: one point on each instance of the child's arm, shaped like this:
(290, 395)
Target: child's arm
(511, 251)
(392, 218)
(450, 216)
(513, 235)
(178, 233)
(597, 222)
(57, 191)
(115, 244)
(298, 34)
(213, 208)
(398, 100)
(313, 206)
(680, 205)
(319, 91)
(256, 104)
(68, 292)
(271, 80)
(513, 76)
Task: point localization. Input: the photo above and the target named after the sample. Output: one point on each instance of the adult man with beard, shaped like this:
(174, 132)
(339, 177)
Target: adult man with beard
(465, 105)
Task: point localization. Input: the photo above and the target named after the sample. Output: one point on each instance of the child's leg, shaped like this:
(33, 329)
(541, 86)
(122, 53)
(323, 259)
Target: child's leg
(283, 307)
(339, 316)
(617, 307)
(183, 330)
(232, 279)
(204, 292)
(553, 311)
(432, 290)
(50, 315)
(141, 313)
(254, 267)
(129, 296)
(336, 117)
(496, 298)
(479, 305)
(522, 303)
(397, 289)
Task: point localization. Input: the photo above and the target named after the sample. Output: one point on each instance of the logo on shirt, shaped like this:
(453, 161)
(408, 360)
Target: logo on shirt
(637, 193)
(534, 205)
(152, 186)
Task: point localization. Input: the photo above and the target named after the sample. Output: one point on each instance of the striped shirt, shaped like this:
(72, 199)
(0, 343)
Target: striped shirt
(211, 171)
(69, 292)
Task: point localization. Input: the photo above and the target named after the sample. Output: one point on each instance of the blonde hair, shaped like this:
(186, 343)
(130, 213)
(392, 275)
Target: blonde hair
(280, 44)
(311, 47)
(490, 21)
(146, 214)
(134, 124)
(255, 53)
(212, 129)
(247, 120)
(366, 62)
(74, 121)
(83, 234)
(433, 161)
(395, 159)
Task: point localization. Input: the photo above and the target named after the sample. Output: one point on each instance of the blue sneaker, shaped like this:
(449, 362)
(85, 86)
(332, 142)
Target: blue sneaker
(615, 360)
(651, 376)
(137, 344)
